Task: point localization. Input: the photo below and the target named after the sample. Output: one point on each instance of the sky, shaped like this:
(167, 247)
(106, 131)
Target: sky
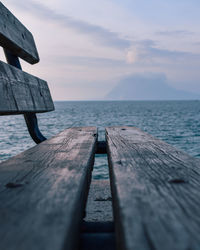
(87, 47)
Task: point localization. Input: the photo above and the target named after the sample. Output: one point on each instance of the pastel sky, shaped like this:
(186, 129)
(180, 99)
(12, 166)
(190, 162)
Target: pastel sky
(86, 47)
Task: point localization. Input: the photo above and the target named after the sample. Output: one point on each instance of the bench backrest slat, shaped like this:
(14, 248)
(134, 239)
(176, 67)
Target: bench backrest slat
(16, 38)
(21, 92)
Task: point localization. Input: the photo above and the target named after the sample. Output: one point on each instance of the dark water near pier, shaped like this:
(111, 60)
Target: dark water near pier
(176, 122)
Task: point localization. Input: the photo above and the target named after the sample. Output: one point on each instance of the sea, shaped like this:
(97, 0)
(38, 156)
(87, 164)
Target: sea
(175, 122)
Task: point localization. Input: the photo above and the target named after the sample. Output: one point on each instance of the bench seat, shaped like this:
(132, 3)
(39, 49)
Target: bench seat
(44, 191)
(155, 192)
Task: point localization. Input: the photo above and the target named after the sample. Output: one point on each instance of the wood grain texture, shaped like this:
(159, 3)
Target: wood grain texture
(15, 37)
(99, 203)
(43, 192)
(21, 92)
(156, 192)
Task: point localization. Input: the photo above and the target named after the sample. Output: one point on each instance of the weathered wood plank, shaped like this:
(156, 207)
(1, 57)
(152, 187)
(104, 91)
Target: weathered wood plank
(21, 92)
(44, 190)
(15, 37)
(99, 206)
(156, 192)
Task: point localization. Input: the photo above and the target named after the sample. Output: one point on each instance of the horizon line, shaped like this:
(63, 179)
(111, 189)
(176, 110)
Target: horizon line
(128, 100)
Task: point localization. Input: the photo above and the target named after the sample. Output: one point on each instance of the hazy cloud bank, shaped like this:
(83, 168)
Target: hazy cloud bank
(99, 34)
(136, 50)
(77, 51)
(174, 33)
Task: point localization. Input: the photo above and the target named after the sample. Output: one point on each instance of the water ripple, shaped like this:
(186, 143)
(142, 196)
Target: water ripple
(176, 122)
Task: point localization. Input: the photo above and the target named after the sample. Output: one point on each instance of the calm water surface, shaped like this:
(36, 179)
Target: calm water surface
(176, 122)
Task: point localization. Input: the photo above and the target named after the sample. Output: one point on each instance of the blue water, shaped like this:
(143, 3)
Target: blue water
(176, 122)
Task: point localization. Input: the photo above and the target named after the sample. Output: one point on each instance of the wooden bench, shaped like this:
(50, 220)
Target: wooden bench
(43, 190)
(155, 187)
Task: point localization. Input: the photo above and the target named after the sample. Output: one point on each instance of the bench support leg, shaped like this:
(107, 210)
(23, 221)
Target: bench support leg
(32, 125)
(30, 118)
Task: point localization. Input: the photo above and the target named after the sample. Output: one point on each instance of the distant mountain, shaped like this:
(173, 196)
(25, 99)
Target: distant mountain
(148, 87)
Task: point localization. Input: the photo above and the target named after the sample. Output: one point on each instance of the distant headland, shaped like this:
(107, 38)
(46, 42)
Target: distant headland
(148, 87)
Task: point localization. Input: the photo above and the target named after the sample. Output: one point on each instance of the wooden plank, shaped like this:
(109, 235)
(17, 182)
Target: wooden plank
(16, 38)
(156, 192)
(21, 92)
(44, 190)
(99, 206)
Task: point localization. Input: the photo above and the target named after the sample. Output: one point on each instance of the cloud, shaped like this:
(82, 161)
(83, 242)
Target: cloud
(165, 53)
(148, 51)
(175, 33)
(88, 61)
(99, 34)
(146, 43)
(131, 56)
